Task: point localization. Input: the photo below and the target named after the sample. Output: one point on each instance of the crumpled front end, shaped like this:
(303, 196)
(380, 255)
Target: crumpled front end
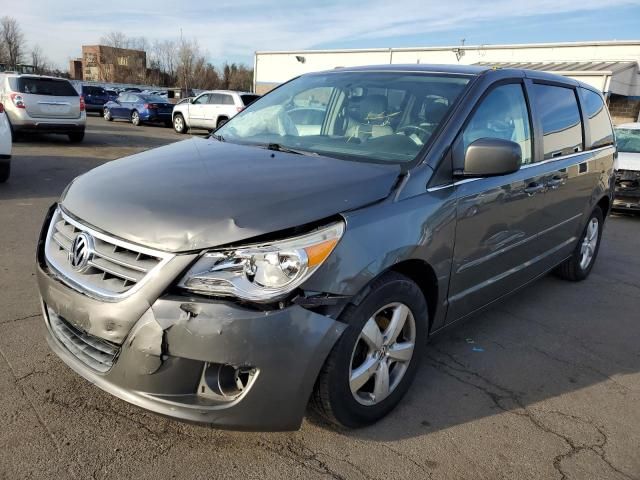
(191, 358)
(627, 194)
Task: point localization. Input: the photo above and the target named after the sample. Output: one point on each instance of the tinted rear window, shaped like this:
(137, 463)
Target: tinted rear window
(599, 122)
(249, 99)
(43, 86)
(560, 116)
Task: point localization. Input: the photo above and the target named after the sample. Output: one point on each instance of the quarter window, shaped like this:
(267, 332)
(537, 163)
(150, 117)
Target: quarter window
(598, 118)
(560, 117)
(502, 114)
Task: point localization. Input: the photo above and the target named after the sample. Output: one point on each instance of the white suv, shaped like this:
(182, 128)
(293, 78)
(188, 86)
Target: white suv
(210, 110)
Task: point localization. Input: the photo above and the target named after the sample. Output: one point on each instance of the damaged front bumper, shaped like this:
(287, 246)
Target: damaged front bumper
(627, 193)
(195, 359)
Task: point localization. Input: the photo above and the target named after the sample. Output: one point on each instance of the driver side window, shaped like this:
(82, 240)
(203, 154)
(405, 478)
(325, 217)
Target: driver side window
(202, 99)
(502, 114)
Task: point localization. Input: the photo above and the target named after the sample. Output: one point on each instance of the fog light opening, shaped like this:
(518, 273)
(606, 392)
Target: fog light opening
(226, 381)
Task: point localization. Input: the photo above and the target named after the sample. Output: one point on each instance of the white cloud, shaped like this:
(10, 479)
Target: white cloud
(237, 28)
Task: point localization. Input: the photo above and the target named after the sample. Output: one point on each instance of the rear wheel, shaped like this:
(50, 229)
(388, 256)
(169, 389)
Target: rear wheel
(5, 170)
(221, 121)
(579, 265)
(179, 124)
(76, 137)
(107, 115)
(375, 360)
(135, 118)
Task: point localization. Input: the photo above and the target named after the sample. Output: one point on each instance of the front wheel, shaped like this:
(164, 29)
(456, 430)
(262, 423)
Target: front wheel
(5, 170)
(107, 115)
(178, 124)
(374, 362)
(135, 118)
(579, 265)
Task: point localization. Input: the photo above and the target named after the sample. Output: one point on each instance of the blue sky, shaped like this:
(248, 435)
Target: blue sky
(233, 29)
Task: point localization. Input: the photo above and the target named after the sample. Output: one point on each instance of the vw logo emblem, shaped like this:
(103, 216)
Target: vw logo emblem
(81, 252)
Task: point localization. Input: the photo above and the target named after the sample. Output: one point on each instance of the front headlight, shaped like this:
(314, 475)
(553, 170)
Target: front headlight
(262, 272)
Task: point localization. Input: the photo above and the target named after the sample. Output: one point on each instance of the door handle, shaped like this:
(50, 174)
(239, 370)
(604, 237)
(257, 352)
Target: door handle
(534, 188)
(555, 182)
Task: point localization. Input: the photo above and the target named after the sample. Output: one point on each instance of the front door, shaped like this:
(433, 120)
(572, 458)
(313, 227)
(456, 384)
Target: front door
(498, 218)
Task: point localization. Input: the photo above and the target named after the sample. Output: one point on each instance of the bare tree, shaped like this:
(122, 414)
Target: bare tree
(39, 61)
(13, 39)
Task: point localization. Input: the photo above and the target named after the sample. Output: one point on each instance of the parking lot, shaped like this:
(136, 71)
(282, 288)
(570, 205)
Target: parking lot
(545, 385)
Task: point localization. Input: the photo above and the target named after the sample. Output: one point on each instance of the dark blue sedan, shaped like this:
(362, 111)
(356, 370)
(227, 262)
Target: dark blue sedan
(139, 108)
(94, 98)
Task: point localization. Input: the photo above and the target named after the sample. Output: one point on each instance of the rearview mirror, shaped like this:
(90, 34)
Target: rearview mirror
(488, 157)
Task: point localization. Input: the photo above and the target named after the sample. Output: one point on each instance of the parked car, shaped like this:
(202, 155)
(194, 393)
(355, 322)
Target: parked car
(184, 100)
(139, 108)
(210, 110)
(5, 146)
(132, 89)
(628, 168)
(94, 98)
(230, 279)
(41, 104)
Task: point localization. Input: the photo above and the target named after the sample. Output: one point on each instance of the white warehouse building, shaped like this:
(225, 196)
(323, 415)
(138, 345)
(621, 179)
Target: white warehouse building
(610, 66)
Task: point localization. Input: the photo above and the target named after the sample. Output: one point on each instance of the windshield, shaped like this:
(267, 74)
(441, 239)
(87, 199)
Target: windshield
(369, 116)
(628, 140)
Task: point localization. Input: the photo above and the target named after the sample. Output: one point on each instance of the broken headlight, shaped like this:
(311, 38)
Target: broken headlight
(262, 272)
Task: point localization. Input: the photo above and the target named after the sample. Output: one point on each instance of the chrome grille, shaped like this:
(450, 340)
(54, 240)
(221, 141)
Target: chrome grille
(114, 269)
(92, 351)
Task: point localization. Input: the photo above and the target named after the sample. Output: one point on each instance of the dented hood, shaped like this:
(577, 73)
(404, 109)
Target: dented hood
(202, 193)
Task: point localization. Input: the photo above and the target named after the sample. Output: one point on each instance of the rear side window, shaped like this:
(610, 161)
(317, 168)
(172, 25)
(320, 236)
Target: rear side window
(502, 114)
(227, 100)
(248, 99)
(560, 117)
(43, 86)
(598, 118)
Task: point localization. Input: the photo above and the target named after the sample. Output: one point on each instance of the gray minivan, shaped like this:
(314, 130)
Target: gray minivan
(307, 257)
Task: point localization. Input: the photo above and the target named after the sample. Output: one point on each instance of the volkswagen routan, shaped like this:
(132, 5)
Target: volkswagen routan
(304, 252)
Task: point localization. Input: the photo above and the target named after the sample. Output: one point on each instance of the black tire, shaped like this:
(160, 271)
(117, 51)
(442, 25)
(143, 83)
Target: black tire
(135, 118)
(180, 126)
(76, 137)
(332, 398)
(107, 115)
(221, 121)
(572, 269)
(5, 170)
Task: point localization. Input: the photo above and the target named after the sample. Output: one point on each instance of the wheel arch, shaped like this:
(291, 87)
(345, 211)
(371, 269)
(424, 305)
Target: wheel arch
(418, 271)
(605, 205)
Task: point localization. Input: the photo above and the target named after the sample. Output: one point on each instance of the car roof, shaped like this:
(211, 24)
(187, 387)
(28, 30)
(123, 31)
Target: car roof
(629, 126)
(472, 70)
(416, 67)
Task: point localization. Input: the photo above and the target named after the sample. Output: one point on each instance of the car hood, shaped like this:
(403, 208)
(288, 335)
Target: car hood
(201, 193)
(628, 161)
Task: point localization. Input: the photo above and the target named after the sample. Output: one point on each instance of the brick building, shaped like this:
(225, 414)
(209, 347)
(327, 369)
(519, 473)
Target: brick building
(101, 63)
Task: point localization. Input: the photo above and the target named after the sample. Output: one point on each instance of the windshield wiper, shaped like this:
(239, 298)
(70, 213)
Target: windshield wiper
(281, 148)
(220, 138)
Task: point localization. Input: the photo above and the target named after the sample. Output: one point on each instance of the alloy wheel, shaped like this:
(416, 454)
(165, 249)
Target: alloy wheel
(178, 124)
(382, 353)
(589, 243)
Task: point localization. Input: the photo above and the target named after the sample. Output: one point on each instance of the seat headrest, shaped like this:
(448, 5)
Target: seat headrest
(372, 107)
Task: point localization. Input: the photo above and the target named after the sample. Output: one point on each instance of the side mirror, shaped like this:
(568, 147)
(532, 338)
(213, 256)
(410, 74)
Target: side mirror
(488, 157)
